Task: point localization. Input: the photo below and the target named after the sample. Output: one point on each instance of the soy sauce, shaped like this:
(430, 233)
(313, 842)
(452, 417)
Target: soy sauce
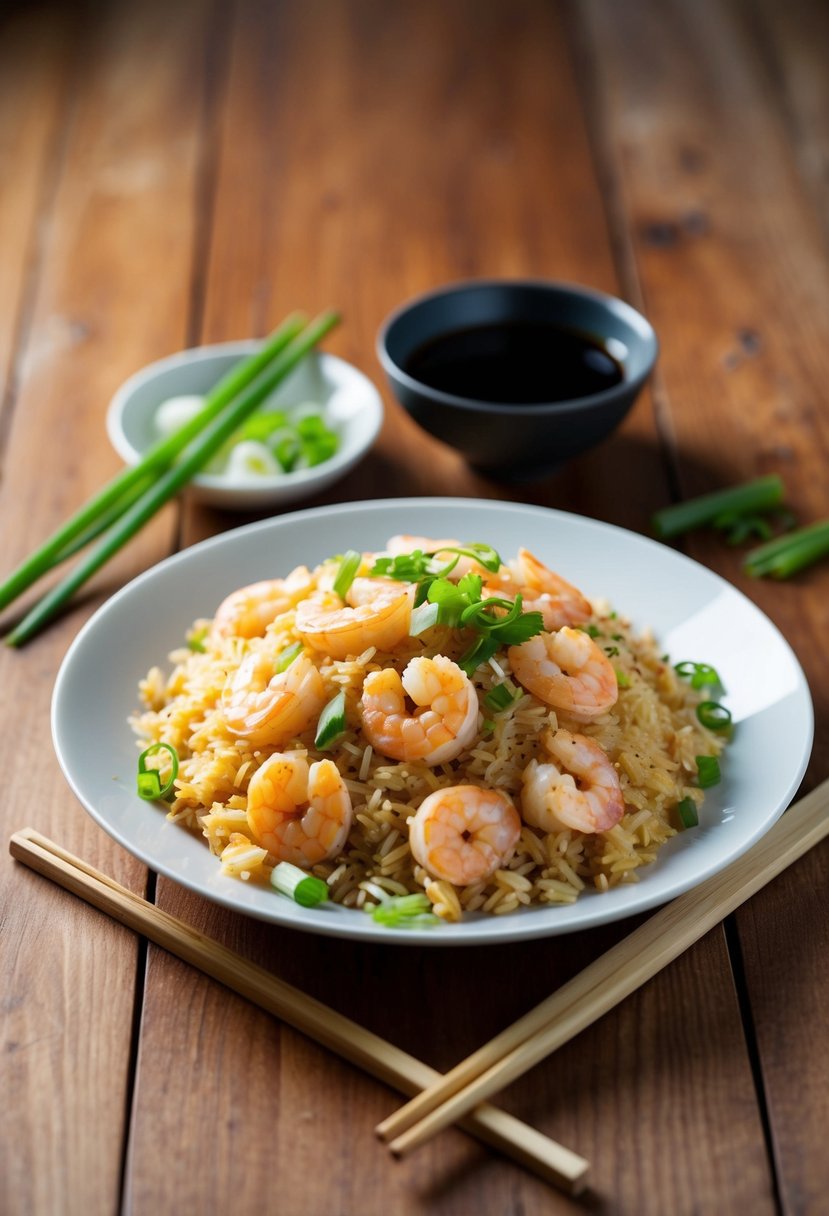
(522, 362)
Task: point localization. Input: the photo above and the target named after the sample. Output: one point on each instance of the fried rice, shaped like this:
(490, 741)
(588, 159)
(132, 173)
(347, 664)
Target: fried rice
(651, 734)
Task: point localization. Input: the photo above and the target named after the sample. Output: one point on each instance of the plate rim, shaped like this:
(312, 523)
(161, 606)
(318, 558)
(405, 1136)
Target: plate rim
(499, 930)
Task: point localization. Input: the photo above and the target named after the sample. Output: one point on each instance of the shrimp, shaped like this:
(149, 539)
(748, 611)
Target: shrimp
(299, 813)
(444, 721)
(542, 590)
(567, 670)
(381, 619)
(246, 613)
(268, 708)
(581, 791)
(463, 833)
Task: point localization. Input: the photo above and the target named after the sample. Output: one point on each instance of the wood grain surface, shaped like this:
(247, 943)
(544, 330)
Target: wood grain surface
(183, 173)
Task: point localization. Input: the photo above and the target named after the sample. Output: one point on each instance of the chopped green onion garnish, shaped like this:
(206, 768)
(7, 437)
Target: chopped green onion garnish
(701, 675)
(331, 723)
(785, 555)
(483, 554)
(622, 679)
(713, 715)
(612, 652)
(305, 889)
(500, 696)
(195, 640)
(286, 657)
(708, 771)
(759, 495)
(311, 425)
(426, 616)
(487, 726)
(149, 781)
(687, 813)
(149, 785)
(481, 651)
(593, 630)
(405, 910)
(349, 566)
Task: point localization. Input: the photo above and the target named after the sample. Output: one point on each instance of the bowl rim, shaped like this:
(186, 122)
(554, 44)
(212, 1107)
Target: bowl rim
(342, 459)
(517, 409)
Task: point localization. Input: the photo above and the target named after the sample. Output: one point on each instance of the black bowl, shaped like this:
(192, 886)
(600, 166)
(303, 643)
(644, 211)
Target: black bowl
(518, 441)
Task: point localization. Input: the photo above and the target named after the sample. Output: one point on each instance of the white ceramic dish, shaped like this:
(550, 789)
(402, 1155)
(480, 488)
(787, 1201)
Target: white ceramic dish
(352, 406)
(695, 614)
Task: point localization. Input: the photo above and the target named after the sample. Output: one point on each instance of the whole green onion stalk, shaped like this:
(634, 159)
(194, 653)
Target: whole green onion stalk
(194, 457)
(127, 486)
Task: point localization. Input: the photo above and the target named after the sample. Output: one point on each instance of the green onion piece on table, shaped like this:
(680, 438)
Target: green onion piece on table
(303, 888)
(349, 566)
(331, 723)
(149, 781)
(687, 813)
(760, 495)
(708, 772)
(405, 910)
(714, 716)
(783, 557)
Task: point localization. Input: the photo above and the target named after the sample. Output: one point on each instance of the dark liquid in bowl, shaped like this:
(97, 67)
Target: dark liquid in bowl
(516, 363)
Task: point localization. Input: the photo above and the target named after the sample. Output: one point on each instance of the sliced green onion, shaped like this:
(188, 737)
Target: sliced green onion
(406, 911)
(622, 679)
(319, 449)
(593, 631)
(426, 616)
(311, 425)
(784, 556)
(708, 771)
(149, 780)
(262, 426)
(287, 452)
(286, 657)
(331, 723)
(480, 652)
(714, 716)
(759, 495)
(303, 888)
(481, 616)
(149, 785)
(687, 813)
(612, 652)
(701, 675)
(500, 697)
(487, 726)
(196, 640)
(349, 566)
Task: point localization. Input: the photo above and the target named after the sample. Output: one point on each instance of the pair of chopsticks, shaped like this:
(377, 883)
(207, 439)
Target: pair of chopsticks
(551, 1161)
(460, 1096)
(136, 494)
(608, 980)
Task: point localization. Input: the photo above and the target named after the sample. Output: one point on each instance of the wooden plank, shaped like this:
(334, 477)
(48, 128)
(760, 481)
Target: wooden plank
(112, 294)
(733, 264)
(34, 67)
(359, 204)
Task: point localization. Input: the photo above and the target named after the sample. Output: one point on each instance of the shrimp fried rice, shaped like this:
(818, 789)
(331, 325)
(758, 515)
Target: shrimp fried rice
(555, 829)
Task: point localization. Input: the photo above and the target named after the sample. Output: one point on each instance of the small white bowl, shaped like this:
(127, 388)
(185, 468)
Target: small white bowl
(350, 402)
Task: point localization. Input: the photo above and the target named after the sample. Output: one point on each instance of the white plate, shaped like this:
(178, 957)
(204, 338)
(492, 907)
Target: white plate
(695, 614)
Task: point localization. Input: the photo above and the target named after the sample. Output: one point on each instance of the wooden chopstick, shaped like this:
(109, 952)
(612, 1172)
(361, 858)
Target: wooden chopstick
(605, 982)
(551, 1161)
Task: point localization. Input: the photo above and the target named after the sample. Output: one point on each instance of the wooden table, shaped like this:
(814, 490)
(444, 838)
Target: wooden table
(190, 172)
